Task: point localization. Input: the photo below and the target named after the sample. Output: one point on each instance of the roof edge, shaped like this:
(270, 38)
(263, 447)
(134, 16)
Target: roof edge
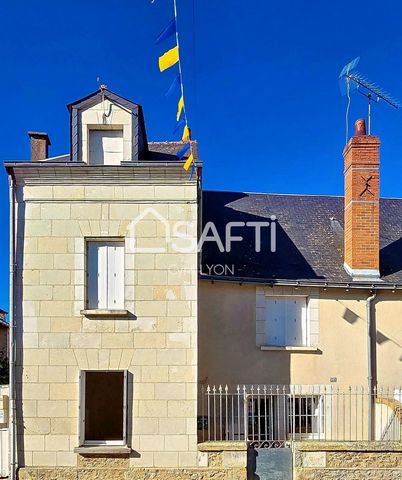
(383, 285)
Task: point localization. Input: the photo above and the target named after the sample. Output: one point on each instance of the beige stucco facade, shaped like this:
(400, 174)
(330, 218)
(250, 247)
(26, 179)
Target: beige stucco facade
(340, 336)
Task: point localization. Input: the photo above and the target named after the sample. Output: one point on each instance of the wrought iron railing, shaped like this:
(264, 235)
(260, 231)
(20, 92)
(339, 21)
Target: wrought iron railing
(276, 415)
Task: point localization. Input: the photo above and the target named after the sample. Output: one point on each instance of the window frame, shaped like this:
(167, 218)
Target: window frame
(81, 408)
(103, 240)
(305, 322)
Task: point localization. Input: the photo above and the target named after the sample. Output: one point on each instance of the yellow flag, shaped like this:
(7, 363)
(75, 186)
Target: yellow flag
(186, 134)
(189, 161)
(168, 59)
(180, 107)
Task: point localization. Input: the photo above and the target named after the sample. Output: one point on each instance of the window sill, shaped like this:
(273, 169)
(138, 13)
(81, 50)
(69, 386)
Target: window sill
(268, 348)
(98, 313)
(111, 450)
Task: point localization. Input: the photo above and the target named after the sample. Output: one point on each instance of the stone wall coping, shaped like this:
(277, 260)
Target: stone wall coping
(363, 446)
(220, 446)
(104, 450)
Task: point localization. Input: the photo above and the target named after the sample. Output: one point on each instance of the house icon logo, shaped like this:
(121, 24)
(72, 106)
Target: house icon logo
(150, 232)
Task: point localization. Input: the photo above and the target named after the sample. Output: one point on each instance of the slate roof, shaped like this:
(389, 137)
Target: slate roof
(168, 150)
(309, 240)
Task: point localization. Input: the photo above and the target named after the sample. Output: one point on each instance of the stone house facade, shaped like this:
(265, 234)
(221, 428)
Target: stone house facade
(105, 307)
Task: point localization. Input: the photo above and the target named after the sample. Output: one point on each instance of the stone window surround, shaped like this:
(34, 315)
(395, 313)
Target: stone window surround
(80, 297)
(107, 445)
(313, 316)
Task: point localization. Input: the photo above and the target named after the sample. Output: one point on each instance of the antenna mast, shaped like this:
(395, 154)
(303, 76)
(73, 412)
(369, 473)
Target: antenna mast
(351, 78)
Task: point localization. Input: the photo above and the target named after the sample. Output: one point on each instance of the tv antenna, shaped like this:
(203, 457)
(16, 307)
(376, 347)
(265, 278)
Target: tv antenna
(351, 79)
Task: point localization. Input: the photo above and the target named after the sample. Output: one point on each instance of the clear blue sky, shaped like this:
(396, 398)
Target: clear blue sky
(260, 77)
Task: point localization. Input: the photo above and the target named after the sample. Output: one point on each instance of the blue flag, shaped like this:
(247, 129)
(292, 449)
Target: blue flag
(183, 151)
(167, 32)
(179, 125)
(175, 85)
(192, 171)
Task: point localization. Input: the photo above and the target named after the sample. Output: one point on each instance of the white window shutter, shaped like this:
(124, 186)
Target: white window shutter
(293, 333)
(115, 275)
(275, 321)
(296, 321)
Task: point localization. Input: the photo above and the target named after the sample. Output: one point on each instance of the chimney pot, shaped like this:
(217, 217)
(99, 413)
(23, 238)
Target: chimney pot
(40, 142)
(360, 127)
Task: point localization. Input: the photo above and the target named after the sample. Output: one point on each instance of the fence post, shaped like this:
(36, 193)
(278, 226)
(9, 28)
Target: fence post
(245, 410)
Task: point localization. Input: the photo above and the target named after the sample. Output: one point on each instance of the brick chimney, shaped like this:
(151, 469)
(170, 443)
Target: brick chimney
(39, 145)
(362, 215)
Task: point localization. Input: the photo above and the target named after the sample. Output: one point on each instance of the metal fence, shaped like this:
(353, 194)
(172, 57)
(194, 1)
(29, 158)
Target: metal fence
(275, 415)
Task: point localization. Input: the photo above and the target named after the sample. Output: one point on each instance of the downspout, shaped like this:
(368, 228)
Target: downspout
(371, 377)
(12, 414)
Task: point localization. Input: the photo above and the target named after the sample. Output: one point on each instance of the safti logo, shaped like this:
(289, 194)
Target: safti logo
(153, 233)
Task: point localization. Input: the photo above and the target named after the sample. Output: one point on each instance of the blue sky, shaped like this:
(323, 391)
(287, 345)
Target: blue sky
(260, 79)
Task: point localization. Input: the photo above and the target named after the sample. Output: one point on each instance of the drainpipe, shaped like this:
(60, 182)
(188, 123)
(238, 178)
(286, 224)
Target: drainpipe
(12, 412)
(372, 377)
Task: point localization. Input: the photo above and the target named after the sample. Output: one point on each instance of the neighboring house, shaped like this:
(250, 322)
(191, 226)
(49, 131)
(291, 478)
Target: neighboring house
(118, 319)
(309, 325)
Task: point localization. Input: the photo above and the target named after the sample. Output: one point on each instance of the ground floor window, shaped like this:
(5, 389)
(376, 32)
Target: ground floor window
(103, 407)
(285, 417)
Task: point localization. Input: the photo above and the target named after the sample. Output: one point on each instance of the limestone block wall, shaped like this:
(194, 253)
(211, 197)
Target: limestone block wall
(347, 460)
(157, 343)
(217, 460)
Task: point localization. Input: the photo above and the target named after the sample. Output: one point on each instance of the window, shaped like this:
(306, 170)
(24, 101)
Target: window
(276, 416)
(105, 275)
(103, 407)
(286, 321)
(105, 147)
(306, 416)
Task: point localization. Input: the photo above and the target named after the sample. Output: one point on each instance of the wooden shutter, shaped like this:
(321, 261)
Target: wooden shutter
(81, 408)
(275, 321)
(286, 321)
(115, 269)
(97, 275)
(105, 147)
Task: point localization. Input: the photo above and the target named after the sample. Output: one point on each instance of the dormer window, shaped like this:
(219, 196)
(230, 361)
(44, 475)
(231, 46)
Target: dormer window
(106, 129)
(105, 146)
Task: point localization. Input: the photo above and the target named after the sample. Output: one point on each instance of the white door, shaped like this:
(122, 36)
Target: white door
(105, 147)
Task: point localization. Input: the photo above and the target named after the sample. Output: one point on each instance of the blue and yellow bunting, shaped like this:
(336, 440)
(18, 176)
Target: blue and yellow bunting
(188, 162)
(186, 134)
(167, 32)
(174, 86)
(180, 107)
(179, 125)
(183, 150)
(167, 60)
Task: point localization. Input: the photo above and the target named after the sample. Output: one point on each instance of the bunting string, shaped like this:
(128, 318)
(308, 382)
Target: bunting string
(169, 59)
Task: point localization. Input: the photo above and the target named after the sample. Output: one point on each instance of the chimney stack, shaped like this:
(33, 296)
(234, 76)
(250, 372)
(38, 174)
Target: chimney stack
(362, 213)
(39, 145)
